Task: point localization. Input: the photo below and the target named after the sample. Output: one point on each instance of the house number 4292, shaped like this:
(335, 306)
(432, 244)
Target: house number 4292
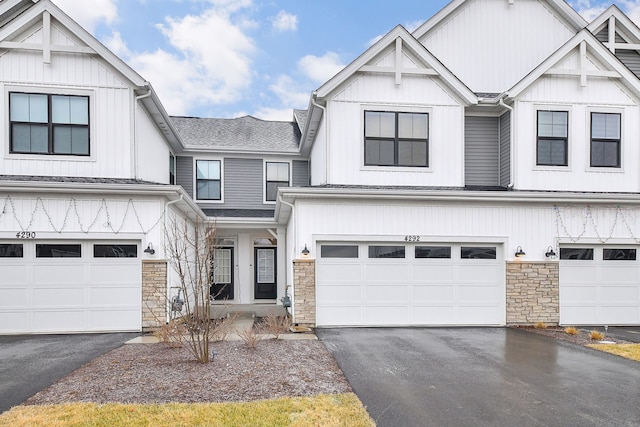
(411, 238)
(25, 235)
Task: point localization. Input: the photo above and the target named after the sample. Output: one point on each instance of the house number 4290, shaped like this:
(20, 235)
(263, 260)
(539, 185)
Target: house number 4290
(411, 238)
(25, 235)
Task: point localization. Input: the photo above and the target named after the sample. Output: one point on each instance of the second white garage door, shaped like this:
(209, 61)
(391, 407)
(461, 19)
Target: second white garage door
(380, 284)
(599, 285)
(52, 287)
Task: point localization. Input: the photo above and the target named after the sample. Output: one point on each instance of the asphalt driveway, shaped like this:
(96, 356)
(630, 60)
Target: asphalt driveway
(484, 377)
(30, 363)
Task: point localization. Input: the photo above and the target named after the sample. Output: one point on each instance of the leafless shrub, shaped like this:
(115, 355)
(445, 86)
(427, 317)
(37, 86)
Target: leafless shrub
(222, 328)
(250, 337)
(170, 333)
(275, 325)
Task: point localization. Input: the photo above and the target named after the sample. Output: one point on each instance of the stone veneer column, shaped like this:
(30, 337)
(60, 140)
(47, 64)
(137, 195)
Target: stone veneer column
(533, 292)
(304, 292)
(154, 293)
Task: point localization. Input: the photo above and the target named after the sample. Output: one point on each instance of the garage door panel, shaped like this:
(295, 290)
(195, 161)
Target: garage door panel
(340, 293)
(620, 315)
(433, 315)
(59, 297)
(474, 315)
(14, 322)
(386, 272)
(107, 274)
(433, 273)
(61, 321)
(578, 294)
(12, 274)
(341, 273)
(113, 296)
(475, 272)
(340, 316)
(432, 293)
(468, 293)
(623, 295)
(626, 274)
(13, 297)
(59, 273)
(579, 272)
(386, 294)
(101, 320)
(386, 315)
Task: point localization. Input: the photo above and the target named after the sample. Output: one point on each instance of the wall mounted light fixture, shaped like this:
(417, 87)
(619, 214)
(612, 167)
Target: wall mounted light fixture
(519, 252)
(149, 249)
(305, 251)
(550, 253)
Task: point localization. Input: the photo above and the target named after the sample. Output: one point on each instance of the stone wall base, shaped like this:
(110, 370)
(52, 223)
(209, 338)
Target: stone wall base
(304, 292)
(533, 293)
(154, 294)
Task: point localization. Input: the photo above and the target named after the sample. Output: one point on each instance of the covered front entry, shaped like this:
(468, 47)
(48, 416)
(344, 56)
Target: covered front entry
(599, 285)
(379, 284)
(70, 286)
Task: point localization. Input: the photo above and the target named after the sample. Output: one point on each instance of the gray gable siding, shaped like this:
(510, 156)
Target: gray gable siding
(243, 188)
(300, 173)
(482, 151)
(505, 149)
(630, 58)
(184, 173)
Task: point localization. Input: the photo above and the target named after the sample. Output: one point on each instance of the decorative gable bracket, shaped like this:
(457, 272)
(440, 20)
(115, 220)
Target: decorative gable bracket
(583, 72)
(46, 47)
(398, 68)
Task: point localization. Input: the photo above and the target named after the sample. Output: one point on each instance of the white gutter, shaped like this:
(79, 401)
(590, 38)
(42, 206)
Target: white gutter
(293, 246)
(135, 128)
(512, 169)
(326, 135)
(164, 248)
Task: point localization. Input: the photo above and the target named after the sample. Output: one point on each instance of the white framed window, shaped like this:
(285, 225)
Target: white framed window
(208, 178)
(277, 174)
(49, 124)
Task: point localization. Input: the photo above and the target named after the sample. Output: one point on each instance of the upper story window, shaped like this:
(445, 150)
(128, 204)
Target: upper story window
(396, 139)
(277, 175)
(172, 169)
(49, 124)
(208, 180)
(605, 140)
(552, 138)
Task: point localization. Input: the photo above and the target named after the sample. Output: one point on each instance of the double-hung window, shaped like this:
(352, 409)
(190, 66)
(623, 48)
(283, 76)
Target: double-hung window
(277, 175)
(605, 140)
(49, 124)
(208, 180)
(396, 139)
(552, 144)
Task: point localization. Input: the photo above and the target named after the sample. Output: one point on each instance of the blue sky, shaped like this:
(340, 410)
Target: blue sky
(228, 58)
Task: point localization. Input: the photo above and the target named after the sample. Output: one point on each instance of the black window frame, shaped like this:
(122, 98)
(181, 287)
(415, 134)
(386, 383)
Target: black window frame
(614, 254)
(478, 252)
(576, 254)
(552, 139)
(432, 252)
(339, 251)
(63, 250)
(50, 125)
(172, 169)
(277, 183)
(113, 250)
(11, 250)
(605, 141)
(397, 140)
(219, 180)
(387, 251)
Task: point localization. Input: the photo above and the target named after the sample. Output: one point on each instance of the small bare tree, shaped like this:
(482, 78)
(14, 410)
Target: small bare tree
(189, 249)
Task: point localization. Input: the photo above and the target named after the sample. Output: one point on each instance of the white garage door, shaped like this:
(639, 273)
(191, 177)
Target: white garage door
(381, 284)
(48, 287)
(599, 285)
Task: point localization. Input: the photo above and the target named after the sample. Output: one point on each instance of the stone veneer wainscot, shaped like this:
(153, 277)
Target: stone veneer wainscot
(304, 292)
(154, 293)
(533, 292)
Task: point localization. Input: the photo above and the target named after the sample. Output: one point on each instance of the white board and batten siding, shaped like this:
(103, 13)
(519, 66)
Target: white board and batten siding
(378, 92)
(110, 102)
(566, 94)
(527, 34)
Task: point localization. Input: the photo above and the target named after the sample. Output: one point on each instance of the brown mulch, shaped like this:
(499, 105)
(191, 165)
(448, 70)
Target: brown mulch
(158, 373)
(557, 332)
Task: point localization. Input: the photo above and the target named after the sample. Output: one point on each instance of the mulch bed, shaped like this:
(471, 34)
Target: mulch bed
(558, 332)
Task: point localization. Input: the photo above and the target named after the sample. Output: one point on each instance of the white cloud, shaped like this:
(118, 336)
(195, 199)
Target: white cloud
(289, 92)
(284, 21)
(90, 13)
(209, 63)
(632, 9)
(320, 68)
(281, 115)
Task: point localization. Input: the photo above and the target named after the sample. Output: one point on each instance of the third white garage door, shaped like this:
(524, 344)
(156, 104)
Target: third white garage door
(599, 285)
(382, 284)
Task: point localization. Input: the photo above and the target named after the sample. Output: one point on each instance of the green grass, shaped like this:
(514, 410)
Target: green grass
(629, 351)
(324, 410)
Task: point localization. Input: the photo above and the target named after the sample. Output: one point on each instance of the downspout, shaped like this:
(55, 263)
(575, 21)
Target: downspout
(293, 247)
(326, 135)
(164, 245)
(135, 128)
(511, 144)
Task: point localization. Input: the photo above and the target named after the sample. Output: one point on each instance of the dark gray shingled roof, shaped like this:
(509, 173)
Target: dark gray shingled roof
(301, 117)
(75, 179)
(243, 134)
(238, 213)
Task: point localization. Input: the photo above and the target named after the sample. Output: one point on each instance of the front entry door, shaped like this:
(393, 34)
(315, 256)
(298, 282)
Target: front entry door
(222, 274)
(265, 273)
